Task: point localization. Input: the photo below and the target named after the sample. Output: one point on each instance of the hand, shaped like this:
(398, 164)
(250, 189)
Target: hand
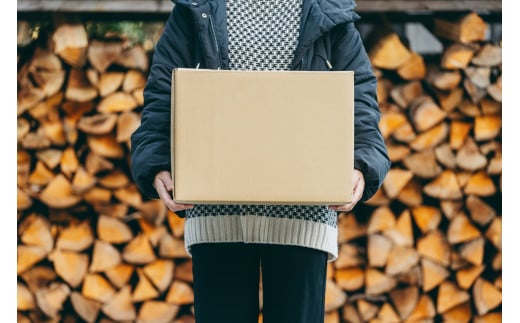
(164, 186)
(358, 186)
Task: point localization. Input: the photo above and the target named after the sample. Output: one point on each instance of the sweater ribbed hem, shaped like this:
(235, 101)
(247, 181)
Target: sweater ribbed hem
(261, 229)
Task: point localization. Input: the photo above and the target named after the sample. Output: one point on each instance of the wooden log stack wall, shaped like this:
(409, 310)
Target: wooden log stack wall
(425, 248)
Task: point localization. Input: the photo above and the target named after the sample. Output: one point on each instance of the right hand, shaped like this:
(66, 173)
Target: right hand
(164, 186)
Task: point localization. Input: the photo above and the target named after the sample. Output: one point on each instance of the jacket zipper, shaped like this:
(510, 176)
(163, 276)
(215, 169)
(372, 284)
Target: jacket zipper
(214, 36)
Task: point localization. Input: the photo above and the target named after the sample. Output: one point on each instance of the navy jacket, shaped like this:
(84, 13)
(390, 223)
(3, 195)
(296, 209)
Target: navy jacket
(195, 36)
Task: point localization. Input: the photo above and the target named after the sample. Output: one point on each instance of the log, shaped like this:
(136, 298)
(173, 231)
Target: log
(431, 137)
(79, 88)
(349, 228)
(335, 298)
(103, 53)
(459, 132)
(486, 297)
(377, 282)
(113, 230)
(50, 300)
(480, 184)
(467, 276)
(97, 288)
(423, 164)
(469, 158)
(460, 313)
(387, 51)
(35, 230)
(402, 233)
(24, 298)
(449, 296)
(120, 307)
(378, 250)
(349, 279)
(70, 42)
(70, 266)
(144, 290)
(27, 257)
(461, 230)
(405, 300)
(457, 56)
(156, 311)
(395, 180)
(445, 186)
(98, 124)
(413, 68)
(488, 55)
(425, 113)
(120, 274)
(466, 29)
(433, 274)
(59, 193)
(494, 233)
(180, 293)
(387, 314)
(434, 246)
(104, 256)
(427, 218)
(473, 251)
(87, 309)
(424, 310)
(139, 251)
(401, 260)
(160, 272)
(411, 195)
(366, 310)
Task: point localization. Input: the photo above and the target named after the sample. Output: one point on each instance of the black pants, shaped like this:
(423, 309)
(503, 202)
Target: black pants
(226, 280)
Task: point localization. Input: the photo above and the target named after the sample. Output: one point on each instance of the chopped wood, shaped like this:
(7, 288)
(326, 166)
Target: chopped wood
(330, 317)
(457, 56)
(449, 100)
(51, 299)
(469, 157)
(457, 262)
(35, 230)
(78, 87)
(397, 152)
(87, 309)
(120, 307)
(75, 237)
(387, 314)
(367, 310)
(349, 279)
(473, 251)
(96, 163)
(497, 261)
(379, 248)
(411, 195)
(382, 219)
(170, 247)
(335, 297)
(489, 55)
(349, 228)
(97, 195)
(134, 57)
(480, 184)
(156, 311)
(130, 195)
(92, 76)
(405, 300)
(160, 273)
(467, 29)
(463, 177)
(444, 79)
(127, 123)
(413, 68)
(117, 102)
(133, 79)
(24, 298)
(459, 131)
(96, 287)
(377, 282)
(23, 200)
(487, 127)
(445, 186)
(385, 49)
(70, 42)
(118, 210)
(458, 314)
(475, 92)
(104, 256)
(494, 317)
(70, 266)
(406, 93)
(467, 276)
(449, 296)
(349, 255)
(82, 181)
(36, 140)
(411, 277)
(395, 180)
(495, 165)
(98, 124)
(105, 146)
(423, 164)
(180, 293)
(402, 233)
(495, 89)
(38, 277)
(144, 290)
(431, 137)
(59, 193)
(390, 122)
(489, 106)
(28, 256)
(378, 199)
(109, 82)
(404, 133)
(175, 223)
(425, 309)
(434, 246)
(433, 274)
(120, 274)
(486, 296)
(480, 212)
(401, 260)
(427, 218)
(469, 108)
(139, 251)
(102, 53)
(425, 113)
(494, 233)
(351, 314)
(461, 230)
(113, 230)
(479, 76)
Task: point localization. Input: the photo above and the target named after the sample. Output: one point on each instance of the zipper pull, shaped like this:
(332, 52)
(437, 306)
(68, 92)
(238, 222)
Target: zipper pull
(329, 65)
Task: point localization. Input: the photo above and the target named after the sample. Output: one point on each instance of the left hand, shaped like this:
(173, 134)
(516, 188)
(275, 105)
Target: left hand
(358, 186)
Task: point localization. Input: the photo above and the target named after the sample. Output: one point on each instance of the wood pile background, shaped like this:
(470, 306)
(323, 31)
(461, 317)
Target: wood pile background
(425, 248)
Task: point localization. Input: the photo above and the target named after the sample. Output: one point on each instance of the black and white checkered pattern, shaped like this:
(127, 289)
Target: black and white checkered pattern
(262, 34)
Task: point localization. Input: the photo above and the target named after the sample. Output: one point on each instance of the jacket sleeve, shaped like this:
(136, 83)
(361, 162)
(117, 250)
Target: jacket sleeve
(370, 152)
(150, 143)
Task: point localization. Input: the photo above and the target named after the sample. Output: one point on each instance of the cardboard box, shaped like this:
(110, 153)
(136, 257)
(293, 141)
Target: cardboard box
(262, 137)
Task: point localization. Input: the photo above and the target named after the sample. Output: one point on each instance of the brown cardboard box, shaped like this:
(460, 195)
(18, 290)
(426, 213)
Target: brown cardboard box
(262, 137)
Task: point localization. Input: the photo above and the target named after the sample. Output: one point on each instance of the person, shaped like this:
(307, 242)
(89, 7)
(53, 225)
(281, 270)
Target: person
(235, 247)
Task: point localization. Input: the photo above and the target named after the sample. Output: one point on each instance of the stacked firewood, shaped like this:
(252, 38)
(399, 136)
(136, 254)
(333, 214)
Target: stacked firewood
(426, 247)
